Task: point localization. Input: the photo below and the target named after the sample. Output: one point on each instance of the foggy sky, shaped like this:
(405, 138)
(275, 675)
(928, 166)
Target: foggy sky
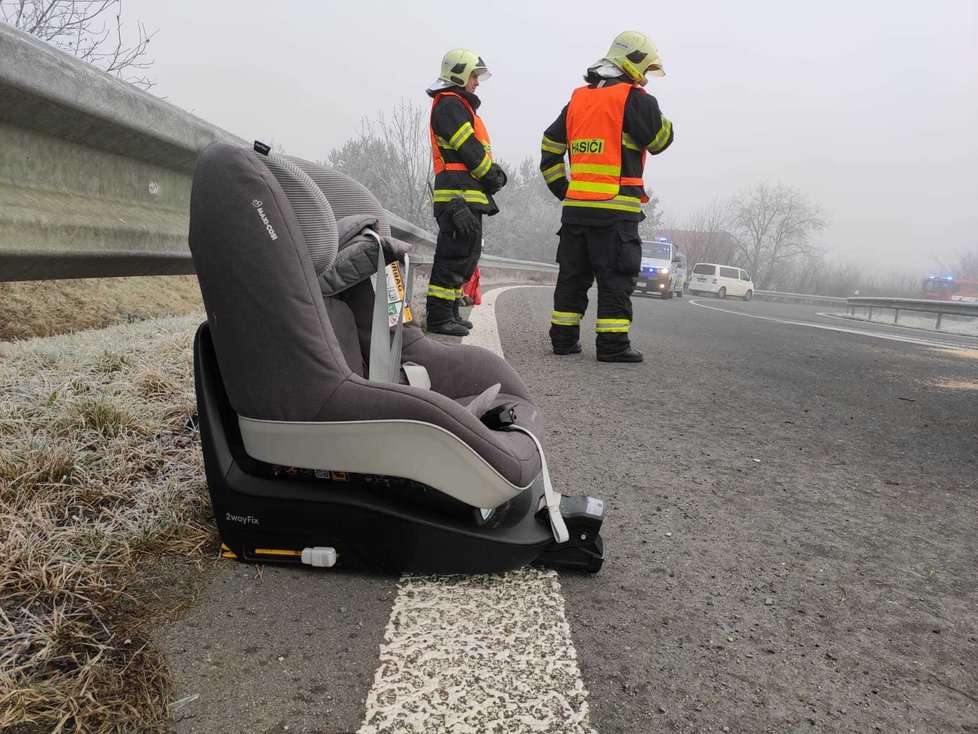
(870, 109)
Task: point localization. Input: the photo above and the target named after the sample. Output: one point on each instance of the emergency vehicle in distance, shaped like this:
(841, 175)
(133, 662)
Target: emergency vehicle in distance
(949, 288)
(663, 268)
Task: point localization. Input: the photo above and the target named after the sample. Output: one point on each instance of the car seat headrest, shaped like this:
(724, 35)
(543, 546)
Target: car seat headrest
(346, 195)
(312, 209)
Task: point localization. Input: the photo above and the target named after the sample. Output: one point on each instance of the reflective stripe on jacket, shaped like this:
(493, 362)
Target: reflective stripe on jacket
(595, 118)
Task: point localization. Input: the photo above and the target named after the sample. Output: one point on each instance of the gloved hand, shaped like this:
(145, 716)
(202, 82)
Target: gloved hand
(494, 179)
(465, 222)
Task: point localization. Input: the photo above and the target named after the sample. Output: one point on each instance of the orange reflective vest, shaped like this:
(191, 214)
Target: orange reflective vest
(480, 132)
(595, 120)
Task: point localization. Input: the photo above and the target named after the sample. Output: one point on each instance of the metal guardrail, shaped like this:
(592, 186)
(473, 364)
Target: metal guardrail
(95, 174)
(866, 307)
(505, 263)
(798, 297)
(909, 305)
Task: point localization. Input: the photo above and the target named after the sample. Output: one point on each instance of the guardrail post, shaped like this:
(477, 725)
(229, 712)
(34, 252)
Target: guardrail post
(896, 316)
(940, 314)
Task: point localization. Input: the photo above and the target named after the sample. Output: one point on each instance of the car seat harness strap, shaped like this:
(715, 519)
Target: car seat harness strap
(417, 375)
(553, 497)
(385, 349)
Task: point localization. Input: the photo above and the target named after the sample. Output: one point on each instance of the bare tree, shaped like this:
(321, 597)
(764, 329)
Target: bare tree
(92, 30)
(772, 225)
(704, 236)
(968, 264)
(814, 273)
(391, 156)
(529, 216)
(653, 216)
(965, 264)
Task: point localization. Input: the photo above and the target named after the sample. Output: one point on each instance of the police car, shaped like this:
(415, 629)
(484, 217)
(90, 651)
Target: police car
(663, 270)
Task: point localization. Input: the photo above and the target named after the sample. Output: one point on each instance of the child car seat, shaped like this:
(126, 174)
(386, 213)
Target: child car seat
(311, 454)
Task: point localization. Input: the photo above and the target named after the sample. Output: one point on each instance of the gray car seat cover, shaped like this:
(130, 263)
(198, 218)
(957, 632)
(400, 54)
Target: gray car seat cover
(311, 208)
(279, 356)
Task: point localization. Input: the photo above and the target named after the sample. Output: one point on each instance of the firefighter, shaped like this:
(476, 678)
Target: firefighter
(465, 180)
(606, 130)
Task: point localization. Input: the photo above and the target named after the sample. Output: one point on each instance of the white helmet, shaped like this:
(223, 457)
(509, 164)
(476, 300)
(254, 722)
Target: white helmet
(456, 68)
(636, 55)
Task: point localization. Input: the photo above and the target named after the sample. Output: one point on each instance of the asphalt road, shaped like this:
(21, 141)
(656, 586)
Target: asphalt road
(790, 538)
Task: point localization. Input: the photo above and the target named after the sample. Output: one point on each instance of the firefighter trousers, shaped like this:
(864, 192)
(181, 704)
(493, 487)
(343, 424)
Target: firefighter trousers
(611, 255)
(455, 260)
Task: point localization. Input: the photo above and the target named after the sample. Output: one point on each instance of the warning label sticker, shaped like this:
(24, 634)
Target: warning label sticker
(395, 296)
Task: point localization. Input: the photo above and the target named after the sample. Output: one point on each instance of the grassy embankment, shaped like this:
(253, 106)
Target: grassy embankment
(47, 308)
(100, 478)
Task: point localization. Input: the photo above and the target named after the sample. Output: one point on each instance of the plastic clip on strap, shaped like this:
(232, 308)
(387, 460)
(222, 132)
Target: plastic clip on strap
(385, 352)
(557, 523)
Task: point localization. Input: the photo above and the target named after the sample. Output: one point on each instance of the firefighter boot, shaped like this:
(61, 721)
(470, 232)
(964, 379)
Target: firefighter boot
(565, 339)
(616, 348)
(629, 355)
(457, 317)
(440, 320)
(573, 349)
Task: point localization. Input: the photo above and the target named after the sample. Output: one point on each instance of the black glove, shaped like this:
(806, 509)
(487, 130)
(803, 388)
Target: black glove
(465, 222)
(494, 179)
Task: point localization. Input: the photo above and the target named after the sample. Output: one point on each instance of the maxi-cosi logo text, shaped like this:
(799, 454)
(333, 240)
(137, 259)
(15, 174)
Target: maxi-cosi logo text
(258, 204)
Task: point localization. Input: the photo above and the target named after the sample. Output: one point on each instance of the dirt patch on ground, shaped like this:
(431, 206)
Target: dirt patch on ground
(957, 384)
(961, 353)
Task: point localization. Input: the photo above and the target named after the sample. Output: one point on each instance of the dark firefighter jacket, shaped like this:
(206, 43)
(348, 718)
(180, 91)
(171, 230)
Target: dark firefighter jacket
(644, 129)
(452, 127)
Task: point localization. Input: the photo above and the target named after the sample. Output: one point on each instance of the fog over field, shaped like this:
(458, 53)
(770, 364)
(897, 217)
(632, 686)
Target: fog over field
(867, 108)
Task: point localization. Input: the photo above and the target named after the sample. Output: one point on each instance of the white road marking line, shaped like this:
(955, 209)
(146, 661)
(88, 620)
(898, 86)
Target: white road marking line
(841, 329)
(473, 654)
(485, 332)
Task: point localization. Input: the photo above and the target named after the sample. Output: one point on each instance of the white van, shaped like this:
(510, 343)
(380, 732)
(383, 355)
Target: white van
(721, 281)
(663, 269)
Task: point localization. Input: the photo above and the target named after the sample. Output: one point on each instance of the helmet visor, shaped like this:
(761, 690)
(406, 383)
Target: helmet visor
(482, 71)
(646, 58)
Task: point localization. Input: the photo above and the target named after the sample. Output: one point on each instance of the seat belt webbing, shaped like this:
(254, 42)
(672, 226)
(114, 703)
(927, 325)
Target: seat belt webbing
(385, 351)
(417, 375)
